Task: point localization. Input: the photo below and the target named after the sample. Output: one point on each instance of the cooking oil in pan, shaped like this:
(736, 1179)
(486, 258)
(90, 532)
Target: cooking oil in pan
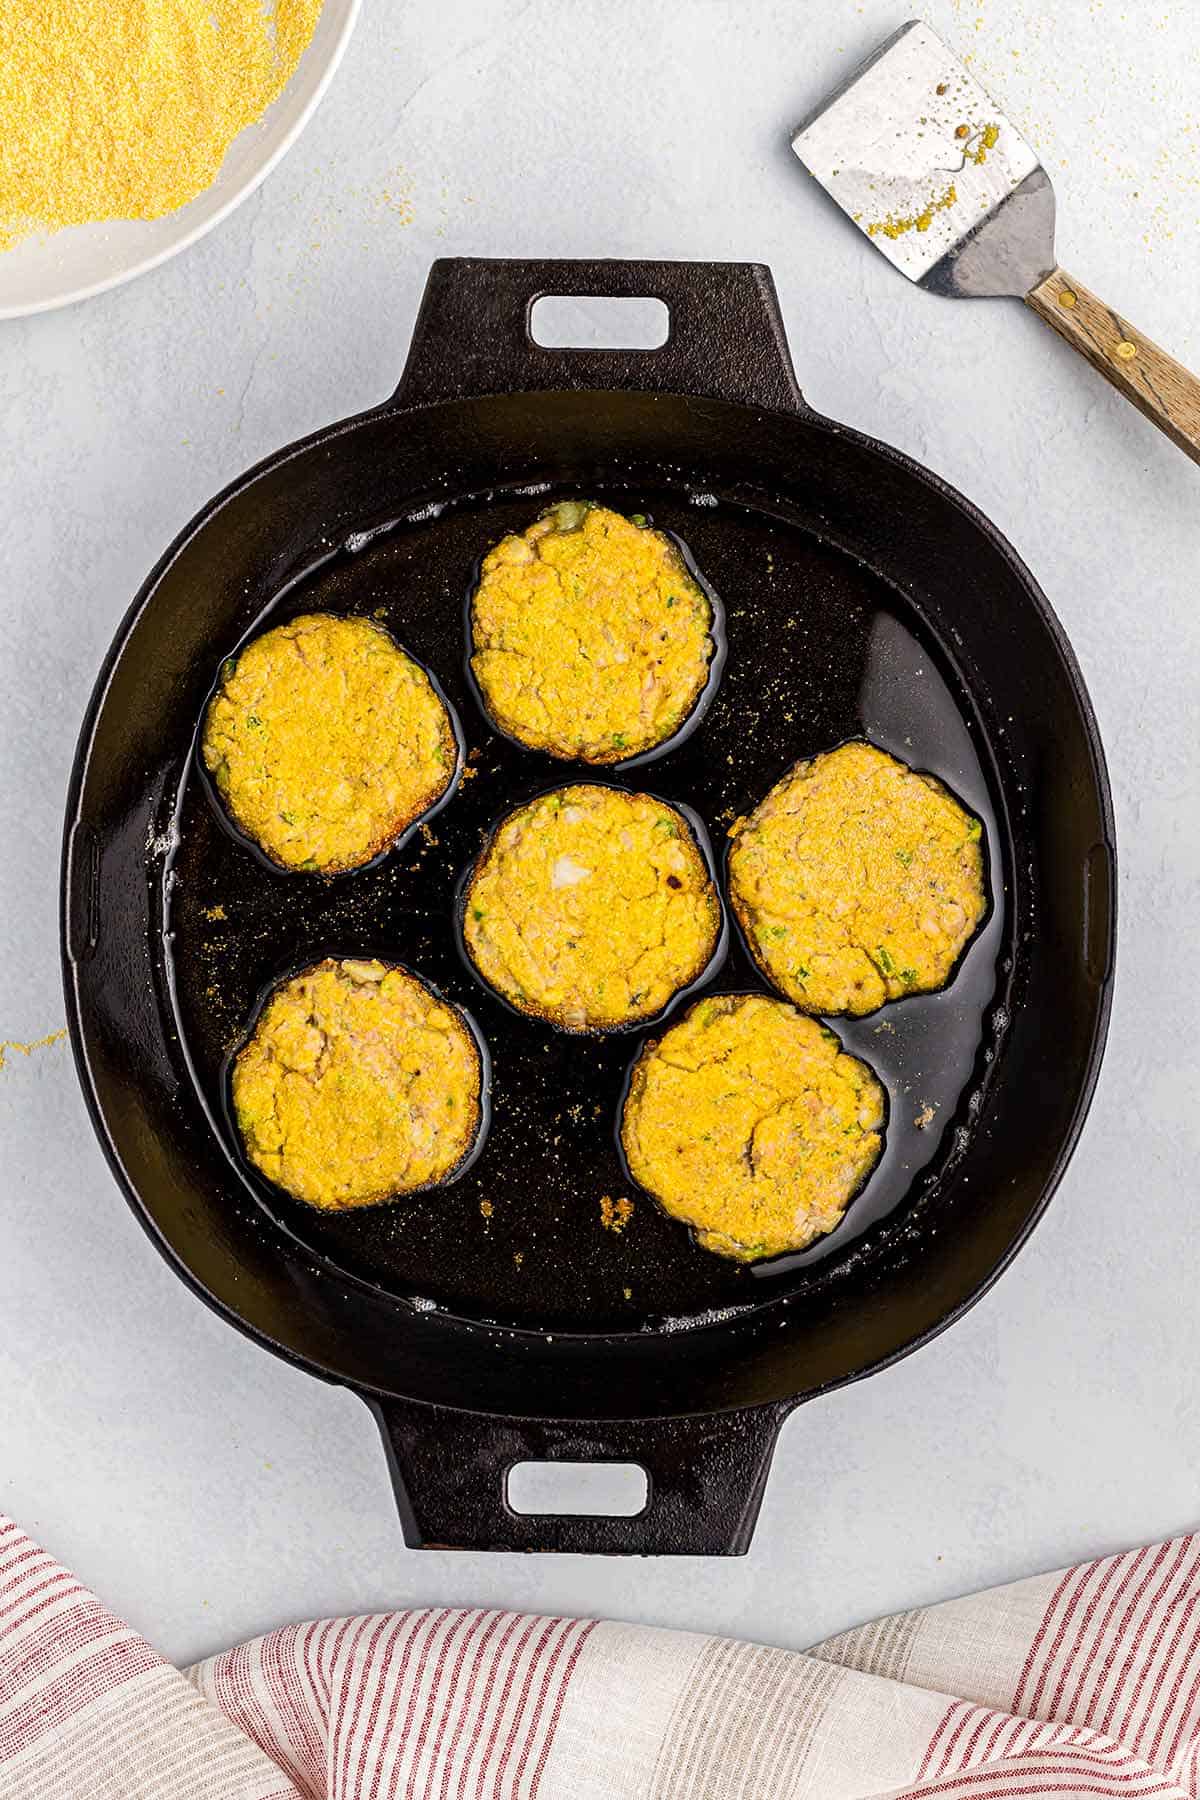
(545, 1229)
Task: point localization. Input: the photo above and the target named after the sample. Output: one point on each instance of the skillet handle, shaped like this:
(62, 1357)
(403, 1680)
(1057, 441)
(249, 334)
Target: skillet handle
(705, 1475)
(725, 340)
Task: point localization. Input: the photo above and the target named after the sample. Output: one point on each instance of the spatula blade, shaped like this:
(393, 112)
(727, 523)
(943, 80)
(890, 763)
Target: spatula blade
(915, 152)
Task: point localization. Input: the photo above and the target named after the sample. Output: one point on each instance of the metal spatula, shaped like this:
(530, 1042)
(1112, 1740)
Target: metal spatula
(914, 151)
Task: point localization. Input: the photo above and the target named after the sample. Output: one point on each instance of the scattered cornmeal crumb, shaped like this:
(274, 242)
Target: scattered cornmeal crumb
(214, 912)
(486, 1208)
(987, 141)
(399, 203)
(894, 227)
(615, 1214)
(124, 109)
(42, 1043)
(628, 1293)
(925, 1117)
(518, 1257)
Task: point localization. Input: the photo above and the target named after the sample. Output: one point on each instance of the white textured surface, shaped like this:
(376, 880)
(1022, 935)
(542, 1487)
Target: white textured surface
(204, 1488)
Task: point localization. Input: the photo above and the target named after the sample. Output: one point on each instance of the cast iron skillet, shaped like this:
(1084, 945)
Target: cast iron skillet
(496, 1319)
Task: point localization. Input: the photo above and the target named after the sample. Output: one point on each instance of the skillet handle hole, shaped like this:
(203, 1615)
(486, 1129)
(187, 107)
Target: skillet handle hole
(609, 1490)
(598, 322)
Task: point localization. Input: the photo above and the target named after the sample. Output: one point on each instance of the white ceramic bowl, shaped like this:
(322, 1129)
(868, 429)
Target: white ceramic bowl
(44, 272)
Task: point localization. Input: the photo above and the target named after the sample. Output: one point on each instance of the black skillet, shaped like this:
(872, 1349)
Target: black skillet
(496, 1319)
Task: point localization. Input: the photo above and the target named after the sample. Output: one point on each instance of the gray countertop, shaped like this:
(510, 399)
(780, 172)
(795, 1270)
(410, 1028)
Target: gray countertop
(205, 1489)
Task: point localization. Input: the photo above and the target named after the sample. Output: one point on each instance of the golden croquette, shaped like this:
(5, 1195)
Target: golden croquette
(357, 1084)
(326, 741)
(591, 908)
(590, 639)
(857, 881)
(749, 1122)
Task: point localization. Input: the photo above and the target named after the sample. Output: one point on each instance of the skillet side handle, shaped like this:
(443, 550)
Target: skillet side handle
(706, 1478)
(725, 340)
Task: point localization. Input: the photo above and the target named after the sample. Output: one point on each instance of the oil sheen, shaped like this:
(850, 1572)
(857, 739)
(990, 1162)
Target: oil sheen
(819, 650)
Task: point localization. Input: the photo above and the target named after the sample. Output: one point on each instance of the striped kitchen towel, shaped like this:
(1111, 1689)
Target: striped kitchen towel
(1078, 1684)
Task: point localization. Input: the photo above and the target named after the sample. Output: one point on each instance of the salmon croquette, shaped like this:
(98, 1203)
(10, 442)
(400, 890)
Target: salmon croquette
(590, 640)
(857, 881)
(357, 1084)
(748, 1121)
(591, 908)
(325, 741)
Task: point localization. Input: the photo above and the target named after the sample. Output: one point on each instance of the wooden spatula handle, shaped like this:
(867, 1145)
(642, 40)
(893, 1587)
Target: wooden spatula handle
(1160, 387)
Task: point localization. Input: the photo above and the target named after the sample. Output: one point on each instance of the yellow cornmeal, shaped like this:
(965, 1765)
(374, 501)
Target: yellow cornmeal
(749, 1122)
(357, 1085)
(326, 741)
(124, 109)
(591, 907)
(27, 1049)
(589, 637)
(895, 225)
(857, 881)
